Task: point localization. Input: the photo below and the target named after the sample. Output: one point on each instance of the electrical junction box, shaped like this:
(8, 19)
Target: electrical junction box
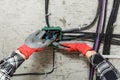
(53, 32)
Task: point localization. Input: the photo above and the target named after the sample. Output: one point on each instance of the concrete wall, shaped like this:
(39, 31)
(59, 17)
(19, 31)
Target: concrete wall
(19, 18)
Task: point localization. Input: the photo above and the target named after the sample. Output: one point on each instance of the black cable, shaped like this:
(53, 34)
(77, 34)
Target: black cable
(89, 36)
(88, 26)
(46, 73)
(110, 27)
(104, 23)
(100, 1)
(91, 72)
(113, 42)
(47, 12)
(94, 21)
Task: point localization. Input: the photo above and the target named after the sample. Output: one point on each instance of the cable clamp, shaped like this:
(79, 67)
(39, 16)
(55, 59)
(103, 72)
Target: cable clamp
(45, 74)
(48, 14)
(115, 24)
(79, 27)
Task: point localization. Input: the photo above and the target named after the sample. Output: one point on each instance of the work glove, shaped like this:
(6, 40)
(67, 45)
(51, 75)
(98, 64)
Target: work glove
(34, 43)
(73, 47)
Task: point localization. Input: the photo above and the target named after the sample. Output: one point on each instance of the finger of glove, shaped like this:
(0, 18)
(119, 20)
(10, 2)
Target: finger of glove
(68, 44)
(62, 46)
(56, 44)
(47, 43)
(69, 49)
(41, 34)
(35, 33)
(31, 36)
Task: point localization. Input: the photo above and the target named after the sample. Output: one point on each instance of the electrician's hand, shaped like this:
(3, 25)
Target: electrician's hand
(34, 43)
(74, 47)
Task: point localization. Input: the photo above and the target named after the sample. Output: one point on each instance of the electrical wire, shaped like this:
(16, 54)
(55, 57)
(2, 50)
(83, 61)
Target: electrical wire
(110, 27)
(94, 21)
(104, 23)
(88, 26)
(98, 32)
(99, 28)
(89, 36)
(47, 14)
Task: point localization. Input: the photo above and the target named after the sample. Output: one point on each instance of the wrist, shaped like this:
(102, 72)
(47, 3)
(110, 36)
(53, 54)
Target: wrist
(18, 52)
(90, 53)
(25, 50)
(84, 48)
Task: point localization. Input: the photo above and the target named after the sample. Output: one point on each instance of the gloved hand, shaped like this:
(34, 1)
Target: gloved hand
(34, 43)
(74, 47)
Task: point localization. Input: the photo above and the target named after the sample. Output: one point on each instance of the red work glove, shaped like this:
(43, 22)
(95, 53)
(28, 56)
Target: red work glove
(33, 43)
(75, 47)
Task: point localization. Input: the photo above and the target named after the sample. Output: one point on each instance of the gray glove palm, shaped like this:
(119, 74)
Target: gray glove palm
(35, 40)
(34, 43)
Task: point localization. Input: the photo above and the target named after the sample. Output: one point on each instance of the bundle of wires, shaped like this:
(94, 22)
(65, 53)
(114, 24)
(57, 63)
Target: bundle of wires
(109, 32)
(110, 27)
(89, 37)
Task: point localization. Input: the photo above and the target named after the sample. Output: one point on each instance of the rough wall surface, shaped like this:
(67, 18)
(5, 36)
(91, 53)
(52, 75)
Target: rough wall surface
(18, 18)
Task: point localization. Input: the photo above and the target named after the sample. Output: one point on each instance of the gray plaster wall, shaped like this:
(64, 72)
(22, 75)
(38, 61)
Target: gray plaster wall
(19, 18)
